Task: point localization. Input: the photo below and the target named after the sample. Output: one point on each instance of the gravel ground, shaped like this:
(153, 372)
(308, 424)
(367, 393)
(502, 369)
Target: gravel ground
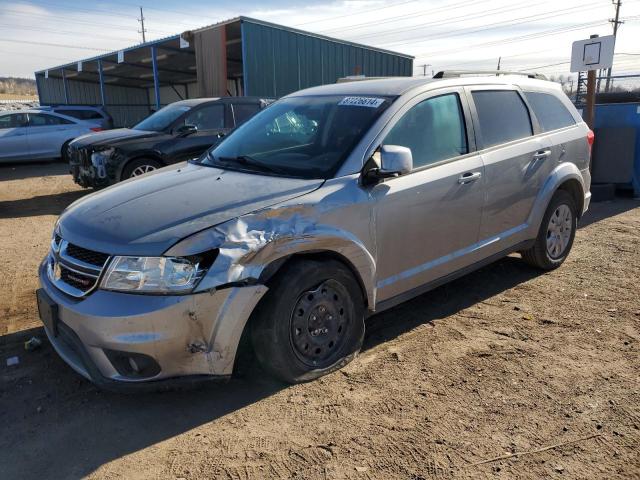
(505, 373)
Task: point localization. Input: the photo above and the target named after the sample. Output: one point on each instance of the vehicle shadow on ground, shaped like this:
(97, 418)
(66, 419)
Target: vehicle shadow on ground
(76, 428)
(19, 171)
(52, 204)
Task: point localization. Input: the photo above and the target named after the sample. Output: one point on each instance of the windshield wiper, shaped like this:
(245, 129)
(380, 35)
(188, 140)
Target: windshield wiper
(248, 161)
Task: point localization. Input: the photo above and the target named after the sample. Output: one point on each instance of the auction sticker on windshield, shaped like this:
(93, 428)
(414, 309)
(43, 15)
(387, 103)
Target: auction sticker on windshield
(362, 102)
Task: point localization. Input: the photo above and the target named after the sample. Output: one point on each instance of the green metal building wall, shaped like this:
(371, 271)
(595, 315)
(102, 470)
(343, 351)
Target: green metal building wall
(278, 60)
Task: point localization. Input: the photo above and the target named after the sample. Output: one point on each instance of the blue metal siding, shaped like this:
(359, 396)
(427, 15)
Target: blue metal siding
(278, 61)
(619, 115)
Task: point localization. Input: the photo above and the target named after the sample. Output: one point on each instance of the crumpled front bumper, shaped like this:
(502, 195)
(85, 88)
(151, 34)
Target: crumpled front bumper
(185, 335)
(83, 170)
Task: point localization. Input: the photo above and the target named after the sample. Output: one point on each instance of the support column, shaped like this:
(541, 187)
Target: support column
(156, 82)
(101, 82)
(66, 87)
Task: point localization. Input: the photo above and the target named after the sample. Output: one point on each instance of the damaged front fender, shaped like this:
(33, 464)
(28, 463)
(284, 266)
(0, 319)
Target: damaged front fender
(249, 244)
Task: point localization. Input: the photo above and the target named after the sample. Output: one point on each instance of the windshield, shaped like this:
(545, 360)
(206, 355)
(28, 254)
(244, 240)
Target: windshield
(162, 118)
(306, 137)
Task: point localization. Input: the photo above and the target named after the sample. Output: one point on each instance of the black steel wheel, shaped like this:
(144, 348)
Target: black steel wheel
(311, 322)
(319, 324)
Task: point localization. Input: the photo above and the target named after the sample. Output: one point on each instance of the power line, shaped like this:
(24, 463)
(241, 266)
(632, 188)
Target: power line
(48, 44)
(521, 38)
(430, 11)
(66, 18)
(356, 13)
(65, 32)
(496, 25)
(81, 9)
(445, 21)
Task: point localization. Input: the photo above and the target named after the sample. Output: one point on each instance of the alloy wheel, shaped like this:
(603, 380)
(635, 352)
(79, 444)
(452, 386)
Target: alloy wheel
(559, 231)
(142, 169)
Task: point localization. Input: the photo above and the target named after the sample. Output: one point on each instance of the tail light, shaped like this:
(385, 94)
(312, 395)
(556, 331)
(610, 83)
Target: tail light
(98, 129)
(590, 138)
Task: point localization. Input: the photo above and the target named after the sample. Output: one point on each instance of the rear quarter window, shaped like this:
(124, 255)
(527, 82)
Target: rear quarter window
(80, 114)
(503, 116)
(550, 111)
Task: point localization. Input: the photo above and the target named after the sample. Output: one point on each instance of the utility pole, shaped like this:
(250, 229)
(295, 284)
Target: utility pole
(424, 68)
(616, 23)
(499, 60)
(143, 30)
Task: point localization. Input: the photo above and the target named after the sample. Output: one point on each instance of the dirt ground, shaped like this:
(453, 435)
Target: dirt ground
(506, 373)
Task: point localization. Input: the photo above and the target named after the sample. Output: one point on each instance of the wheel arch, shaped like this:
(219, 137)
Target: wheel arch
(272, 269)
(565, 176)
(574, 188)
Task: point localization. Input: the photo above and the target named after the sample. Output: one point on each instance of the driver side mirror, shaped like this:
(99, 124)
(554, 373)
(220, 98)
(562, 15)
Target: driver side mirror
(186, 130)
(394, 161)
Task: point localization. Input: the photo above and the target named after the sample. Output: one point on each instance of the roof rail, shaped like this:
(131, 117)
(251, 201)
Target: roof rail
(460, 73)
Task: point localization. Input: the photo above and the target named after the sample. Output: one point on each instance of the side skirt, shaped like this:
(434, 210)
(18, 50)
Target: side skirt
(408, 295)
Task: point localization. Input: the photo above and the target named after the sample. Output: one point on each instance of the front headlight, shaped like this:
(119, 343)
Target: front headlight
(166, 275)
(101, 155)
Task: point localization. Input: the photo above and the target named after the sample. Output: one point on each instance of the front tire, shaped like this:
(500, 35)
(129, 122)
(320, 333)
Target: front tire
(311, 322)
(139, 167)
(556, 234)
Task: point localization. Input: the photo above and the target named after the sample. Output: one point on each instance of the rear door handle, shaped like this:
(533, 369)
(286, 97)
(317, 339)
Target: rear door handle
(469, 177)
(541, 154)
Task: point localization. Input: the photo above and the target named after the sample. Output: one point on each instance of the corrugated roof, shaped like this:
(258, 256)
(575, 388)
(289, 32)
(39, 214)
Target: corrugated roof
(235, 19)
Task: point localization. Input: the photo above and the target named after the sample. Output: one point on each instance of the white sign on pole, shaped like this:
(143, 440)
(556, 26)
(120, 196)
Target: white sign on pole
(46, 74)
(592, 54)
(120, 56)
(79, 66)
(183, 42)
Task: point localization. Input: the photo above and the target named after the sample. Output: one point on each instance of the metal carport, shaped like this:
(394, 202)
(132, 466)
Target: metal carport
(242, 56)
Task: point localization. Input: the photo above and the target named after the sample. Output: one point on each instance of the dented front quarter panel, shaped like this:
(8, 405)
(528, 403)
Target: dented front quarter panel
(336, 218)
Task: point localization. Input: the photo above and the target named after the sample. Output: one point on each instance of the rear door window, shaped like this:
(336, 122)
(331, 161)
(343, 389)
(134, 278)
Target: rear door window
(43, 120)
(503, 116)
(434, 130)
(244, 111)
(550, 111)
(210, 117)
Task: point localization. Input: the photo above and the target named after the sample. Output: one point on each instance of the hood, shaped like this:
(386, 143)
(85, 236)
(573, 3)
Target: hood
(113, 138)
(149, 214)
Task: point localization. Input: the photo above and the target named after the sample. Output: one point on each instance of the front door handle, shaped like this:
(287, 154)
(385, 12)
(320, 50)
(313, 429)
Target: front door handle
(469, 177)
(541, 154)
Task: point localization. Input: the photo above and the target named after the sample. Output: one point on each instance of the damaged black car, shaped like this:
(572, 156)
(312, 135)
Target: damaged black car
(180, 131)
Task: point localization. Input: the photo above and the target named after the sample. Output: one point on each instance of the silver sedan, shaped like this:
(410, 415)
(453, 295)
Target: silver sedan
(36, 135)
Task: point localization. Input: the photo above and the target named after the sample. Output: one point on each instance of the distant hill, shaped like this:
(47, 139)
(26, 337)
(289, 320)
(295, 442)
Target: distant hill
(17, 86)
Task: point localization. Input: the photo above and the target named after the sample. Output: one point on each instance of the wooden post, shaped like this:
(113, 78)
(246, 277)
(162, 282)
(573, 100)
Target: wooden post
(589, 110)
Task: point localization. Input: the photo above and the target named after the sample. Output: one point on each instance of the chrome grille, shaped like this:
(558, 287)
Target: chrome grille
(73, 269)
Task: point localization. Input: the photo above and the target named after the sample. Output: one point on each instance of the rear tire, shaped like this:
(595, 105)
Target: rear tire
(140, 166)
(556, 234)
(311, 322)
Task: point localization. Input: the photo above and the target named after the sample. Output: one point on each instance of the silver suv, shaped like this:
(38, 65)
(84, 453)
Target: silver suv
(330, 205)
